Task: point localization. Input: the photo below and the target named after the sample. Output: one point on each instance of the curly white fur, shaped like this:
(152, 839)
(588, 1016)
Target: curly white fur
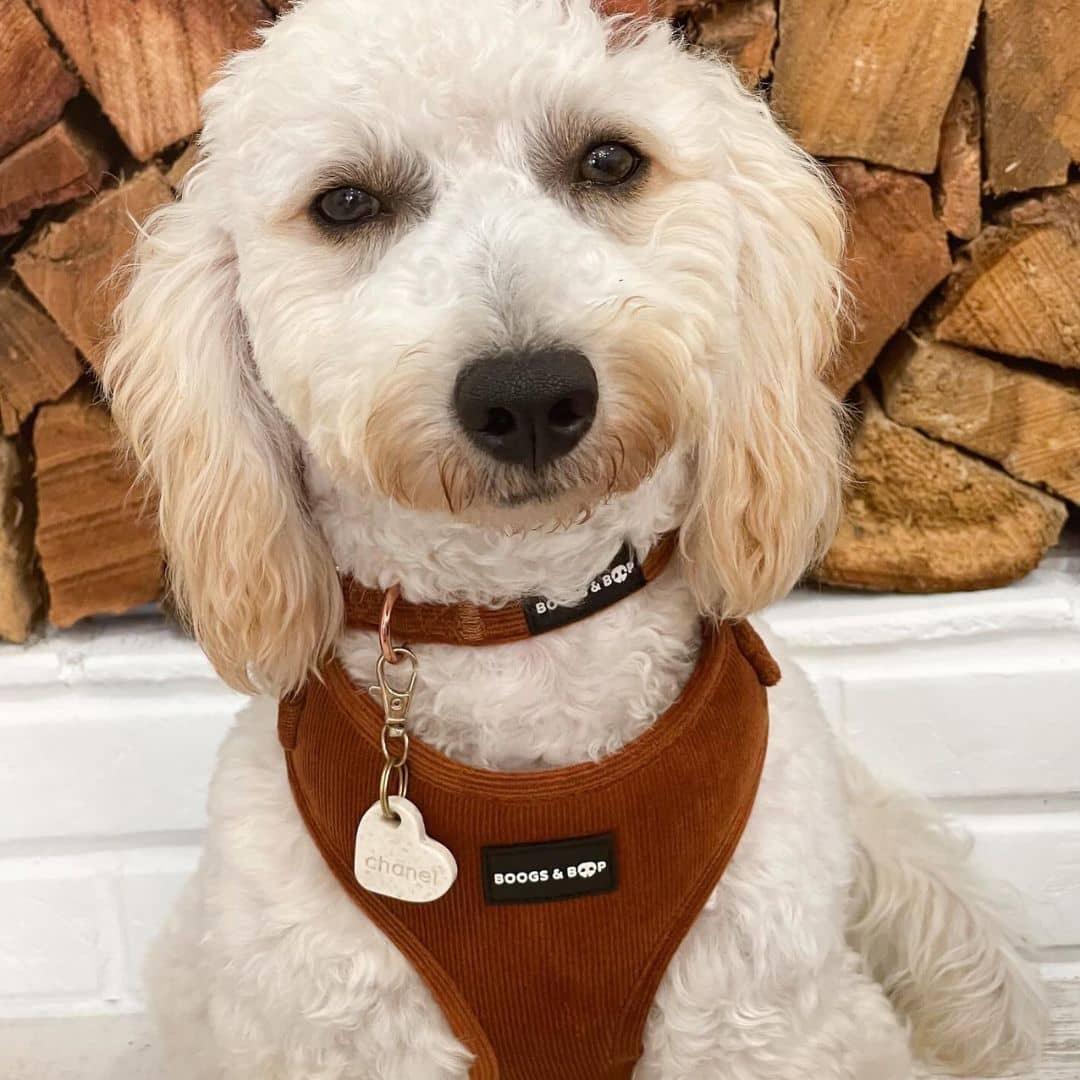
(288, 394)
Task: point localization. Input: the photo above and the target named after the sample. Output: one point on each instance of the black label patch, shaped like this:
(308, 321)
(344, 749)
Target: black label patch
(621, 578)
(530, 873)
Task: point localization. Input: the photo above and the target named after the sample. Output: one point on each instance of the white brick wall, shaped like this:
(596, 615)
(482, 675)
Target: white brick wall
(109, 732)
(974, 700)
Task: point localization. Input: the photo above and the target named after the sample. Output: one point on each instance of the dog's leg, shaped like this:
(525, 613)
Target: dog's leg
(832, 1023)
(937, 937)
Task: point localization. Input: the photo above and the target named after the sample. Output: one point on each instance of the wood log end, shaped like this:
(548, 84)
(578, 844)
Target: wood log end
(1031, 83)
(1015, 289)
(85, 494)
(34, 83)
(36, 362)
(60, 164)
(70, 265)
(921, 516)
(20, 591)
(147, 64)
(871, 81)
(1020, 417)
(897, 253)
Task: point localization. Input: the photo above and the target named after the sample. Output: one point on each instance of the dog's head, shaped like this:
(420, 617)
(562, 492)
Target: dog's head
(498, 260)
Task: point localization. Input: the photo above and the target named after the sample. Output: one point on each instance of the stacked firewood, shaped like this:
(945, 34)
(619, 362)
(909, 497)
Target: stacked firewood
(100, 104)
(951, 127)
(963, 120)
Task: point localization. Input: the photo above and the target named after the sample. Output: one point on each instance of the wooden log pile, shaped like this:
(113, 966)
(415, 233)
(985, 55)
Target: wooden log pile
(951, 127)
(934, 115)
(100, 106)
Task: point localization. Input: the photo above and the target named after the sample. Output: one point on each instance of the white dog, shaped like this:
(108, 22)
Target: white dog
(388, 195)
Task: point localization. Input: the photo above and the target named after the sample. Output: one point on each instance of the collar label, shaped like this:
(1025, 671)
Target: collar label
(532, 873)
(623, 577)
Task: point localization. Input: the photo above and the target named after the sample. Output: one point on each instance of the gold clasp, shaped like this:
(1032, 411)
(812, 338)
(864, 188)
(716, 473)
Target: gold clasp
(395, 704)
(395, 700)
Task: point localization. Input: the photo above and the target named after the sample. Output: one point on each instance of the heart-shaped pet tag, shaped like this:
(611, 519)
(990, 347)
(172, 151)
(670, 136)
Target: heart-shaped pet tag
(398, 858)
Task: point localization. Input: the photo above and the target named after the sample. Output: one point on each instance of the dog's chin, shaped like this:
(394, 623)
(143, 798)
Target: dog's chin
(530, 503)
(541, 506)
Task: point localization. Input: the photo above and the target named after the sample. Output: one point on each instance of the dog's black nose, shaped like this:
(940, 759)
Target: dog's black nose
(527, 408)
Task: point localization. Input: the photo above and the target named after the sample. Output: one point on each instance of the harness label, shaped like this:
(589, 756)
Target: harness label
(532, 873)
(623, 577)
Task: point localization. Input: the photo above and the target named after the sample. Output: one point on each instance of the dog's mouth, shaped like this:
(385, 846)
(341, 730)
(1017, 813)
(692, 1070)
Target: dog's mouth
(471, 483)
(540, 494)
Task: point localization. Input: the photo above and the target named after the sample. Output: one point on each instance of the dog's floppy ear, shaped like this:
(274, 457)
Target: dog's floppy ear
(768, 464)
(249, 569)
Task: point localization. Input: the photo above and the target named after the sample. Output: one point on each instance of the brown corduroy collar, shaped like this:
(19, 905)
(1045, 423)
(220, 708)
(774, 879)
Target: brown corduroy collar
(470, 624)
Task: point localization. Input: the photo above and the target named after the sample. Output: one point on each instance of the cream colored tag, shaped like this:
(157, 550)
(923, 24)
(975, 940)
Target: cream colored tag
(398, 858)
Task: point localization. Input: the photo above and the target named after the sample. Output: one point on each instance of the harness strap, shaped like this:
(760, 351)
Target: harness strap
(541, 984)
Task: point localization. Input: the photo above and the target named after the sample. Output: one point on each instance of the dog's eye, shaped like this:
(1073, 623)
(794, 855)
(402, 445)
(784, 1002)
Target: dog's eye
(608, 163)
(346, 206)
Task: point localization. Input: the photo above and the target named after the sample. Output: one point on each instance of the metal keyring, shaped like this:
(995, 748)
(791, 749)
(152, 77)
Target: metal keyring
(389, 599)
(394, 760)
(384, 788)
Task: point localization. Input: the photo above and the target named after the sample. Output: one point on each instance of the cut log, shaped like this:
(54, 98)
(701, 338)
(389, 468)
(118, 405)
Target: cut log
(958, 197)
(897, 253)
(1031, 79)
(69, 266)
(34, 84)
(148, 63)
(36, 362)
(1016, 288)
(743, 32)
(182, 165)
(61, 164)
(98, 546)
(871, 81)
(924, 517)
(1025, 421)
(20, 594)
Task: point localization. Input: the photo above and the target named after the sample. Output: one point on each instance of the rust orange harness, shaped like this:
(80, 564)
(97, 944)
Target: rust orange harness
(575, 885)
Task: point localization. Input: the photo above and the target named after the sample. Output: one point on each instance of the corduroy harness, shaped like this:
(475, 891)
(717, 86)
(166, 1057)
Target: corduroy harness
(575, 885)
